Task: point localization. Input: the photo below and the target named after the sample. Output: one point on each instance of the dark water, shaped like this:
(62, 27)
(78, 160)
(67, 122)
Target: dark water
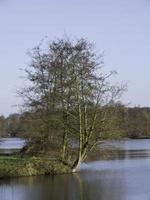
(125, 177)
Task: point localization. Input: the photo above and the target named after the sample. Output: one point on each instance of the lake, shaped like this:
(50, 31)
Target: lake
(11, 145)
(125, 177)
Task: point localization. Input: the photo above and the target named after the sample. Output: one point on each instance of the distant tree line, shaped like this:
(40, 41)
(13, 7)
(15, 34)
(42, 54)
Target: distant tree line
(131, 122)
(128, 122)
(9, 126)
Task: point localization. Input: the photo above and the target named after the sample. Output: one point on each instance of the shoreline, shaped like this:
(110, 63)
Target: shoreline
(16, 166)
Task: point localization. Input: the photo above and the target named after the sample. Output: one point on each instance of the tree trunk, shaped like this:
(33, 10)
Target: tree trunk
(64, 148)
(76, 165)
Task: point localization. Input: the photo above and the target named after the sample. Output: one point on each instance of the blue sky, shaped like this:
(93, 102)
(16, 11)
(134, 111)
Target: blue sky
(119, 28)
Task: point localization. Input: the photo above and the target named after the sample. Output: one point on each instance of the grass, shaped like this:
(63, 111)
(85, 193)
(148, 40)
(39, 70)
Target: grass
(13, 166)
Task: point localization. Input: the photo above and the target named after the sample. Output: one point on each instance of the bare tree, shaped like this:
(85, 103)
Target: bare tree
(69, 89)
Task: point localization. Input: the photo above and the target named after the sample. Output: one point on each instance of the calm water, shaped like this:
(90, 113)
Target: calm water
(10, 145)
(125, 177)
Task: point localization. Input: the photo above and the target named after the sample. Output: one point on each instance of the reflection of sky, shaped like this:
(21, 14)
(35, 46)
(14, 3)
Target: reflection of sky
(113, 165)
(128, 144)
(12, 143)
(114, 184)
(126, 150)
(120, 28)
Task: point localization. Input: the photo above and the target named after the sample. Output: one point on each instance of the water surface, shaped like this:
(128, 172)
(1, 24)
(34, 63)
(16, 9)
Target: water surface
(124, 177)
(11, 145)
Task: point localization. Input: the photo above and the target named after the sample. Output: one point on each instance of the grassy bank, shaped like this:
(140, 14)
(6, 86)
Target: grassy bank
(13, 166)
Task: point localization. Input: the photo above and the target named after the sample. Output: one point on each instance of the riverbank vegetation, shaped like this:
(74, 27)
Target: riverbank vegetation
(13, 166)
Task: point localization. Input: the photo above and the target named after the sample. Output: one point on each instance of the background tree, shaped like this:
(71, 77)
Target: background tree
(2, 126)
(12, 122)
